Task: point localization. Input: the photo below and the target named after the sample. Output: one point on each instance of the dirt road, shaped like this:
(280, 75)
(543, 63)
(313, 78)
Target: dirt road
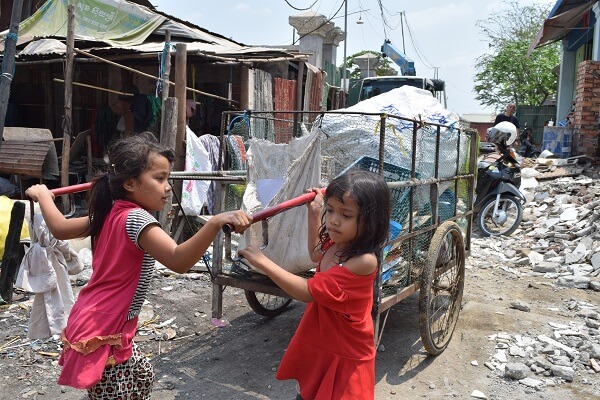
(238, 361)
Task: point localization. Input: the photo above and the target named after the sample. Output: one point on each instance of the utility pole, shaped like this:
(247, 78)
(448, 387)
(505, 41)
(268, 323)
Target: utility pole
(402, 30)
(8, 61)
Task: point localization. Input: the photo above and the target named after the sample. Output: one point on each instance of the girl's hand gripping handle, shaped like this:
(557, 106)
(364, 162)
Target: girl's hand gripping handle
(278, 208)
(82, 187)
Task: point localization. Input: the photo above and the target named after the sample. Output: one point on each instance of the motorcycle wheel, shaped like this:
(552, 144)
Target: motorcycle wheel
(511, 214)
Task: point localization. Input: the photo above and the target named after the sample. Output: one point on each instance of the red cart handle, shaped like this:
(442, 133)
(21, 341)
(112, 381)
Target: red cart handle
(82, 187)
(278, 208)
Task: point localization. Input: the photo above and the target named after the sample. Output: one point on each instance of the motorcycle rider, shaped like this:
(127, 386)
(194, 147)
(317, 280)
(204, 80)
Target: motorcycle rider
(509, 116)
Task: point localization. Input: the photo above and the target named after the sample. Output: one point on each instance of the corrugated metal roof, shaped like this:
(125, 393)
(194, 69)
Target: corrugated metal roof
(197, 39)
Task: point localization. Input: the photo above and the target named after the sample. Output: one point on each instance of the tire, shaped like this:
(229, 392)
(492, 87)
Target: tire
(510, 217)
(266, 305)
(441, 291)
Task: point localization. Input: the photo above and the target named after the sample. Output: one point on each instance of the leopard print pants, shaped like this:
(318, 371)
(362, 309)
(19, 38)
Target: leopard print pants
(131, 380)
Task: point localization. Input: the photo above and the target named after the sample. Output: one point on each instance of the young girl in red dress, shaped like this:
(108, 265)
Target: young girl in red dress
(98, 350)
(332, 353)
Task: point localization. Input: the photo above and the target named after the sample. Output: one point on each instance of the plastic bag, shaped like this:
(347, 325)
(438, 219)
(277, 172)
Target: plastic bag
(193, 196)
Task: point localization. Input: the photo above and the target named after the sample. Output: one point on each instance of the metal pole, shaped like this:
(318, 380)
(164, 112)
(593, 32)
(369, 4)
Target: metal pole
(8, 61)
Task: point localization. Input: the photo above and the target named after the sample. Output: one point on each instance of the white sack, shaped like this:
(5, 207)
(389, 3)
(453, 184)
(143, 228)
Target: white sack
(349, 137)
(296, 167)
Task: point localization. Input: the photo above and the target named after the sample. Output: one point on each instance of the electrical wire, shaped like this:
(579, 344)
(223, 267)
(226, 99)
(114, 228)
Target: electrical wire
(323, 24)
(416, 45)
(383, 18)
(301, 9)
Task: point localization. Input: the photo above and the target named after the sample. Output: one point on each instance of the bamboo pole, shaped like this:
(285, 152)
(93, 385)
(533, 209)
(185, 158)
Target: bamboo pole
(68, 117)
(151, 76)
(94, 87)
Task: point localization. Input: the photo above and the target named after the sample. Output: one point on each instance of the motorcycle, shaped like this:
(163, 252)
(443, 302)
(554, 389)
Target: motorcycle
(527, 149)
(498, 201)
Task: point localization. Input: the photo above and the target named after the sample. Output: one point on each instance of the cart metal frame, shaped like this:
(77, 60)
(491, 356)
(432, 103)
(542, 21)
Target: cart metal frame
(447, 248)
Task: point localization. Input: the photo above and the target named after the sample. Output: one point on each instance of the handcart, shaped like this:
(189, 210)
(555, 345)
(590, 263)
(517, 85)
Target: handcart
(430, 230)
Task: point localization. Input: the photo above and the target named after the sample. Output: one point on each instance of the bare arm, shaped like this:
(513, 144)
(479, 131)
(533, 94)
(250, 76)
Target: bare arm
(315, 209)
(294, 285)
(180, 258)
(61, 228)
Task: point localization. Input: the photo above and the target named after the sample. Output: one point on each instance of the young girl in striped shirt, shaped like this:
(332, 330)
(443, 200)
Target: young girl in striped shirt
(98, 349)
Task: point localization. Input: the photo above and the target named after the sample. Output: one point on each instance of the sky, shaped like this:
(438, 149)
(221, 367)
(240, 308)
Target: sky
(439, 35)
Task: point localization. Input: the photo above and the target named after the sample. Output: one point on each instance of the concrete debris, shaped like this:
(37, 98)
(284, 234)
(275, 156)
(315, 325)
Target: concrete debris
(477, 394)
(559, 236)
(558, 244)
(569, 349)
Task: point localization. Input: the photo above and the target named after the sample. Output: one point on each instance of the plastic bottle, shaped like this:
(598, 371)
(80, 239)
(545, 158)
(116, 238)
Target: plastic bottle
(550, 123)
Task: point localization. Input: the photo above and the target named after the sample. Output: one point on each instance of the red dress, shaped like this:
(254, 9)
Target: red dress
(103, 321)
(332, 353)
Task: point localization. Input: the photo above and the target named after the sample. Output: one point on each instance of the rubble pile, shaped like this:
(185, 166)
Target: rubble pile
(557, 244)
(559, 237)
(563, 221)
(545, 360)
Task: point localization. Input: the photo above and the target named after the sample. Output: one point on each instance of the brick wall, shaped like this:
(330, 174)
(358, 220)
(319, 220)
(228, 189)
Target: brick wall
(587, 110)
(481, 128)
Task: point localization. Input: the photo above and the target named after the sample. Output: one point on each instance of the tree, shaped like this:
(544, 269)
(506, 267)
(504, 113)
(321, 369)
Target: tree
(505, 74)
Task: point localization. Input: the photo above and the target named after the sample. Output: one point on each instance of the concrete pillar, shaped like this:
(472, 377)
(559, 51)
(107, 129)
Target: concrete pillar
(331, 43)
(367, 64)
(312, 28)
(566, 82)
(596, 41)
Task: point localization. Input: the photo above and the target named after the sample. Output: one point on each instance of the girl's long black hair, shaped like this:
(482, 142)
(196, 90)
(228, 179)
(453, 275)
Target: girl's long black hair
(372, 194)
(127, 158)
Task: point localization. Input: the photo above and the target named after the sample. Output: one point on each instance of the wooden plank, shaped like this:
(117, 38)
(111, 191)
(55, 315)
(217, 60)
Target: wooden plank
(23, 158)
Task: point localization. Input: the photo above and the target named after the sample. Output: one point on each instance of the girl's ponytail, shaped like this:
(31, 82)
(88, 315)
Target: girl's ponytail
(100, 203)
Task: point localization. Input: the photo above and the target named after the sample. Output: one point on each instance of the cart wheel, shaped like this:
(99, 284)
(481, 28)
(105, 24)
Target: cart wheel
(442, 282)
(266, 305)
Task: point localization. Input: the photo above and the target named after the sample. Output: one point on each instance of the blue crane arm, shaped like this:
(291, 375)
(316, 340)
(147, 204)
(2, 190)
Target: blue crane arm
(407, 66)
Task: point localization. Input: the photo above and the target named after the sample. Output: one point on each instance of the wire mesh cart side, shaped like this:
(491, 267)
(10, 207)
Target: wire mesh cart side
(430, 169)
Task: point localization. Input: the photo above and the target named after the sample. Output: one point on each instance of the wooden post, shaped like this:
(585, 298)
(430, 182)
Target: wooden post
(167, 139)
(300, 85)
(8, 61)
(180, 94)
(68, 117)
(165, 85)
(88, 153)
